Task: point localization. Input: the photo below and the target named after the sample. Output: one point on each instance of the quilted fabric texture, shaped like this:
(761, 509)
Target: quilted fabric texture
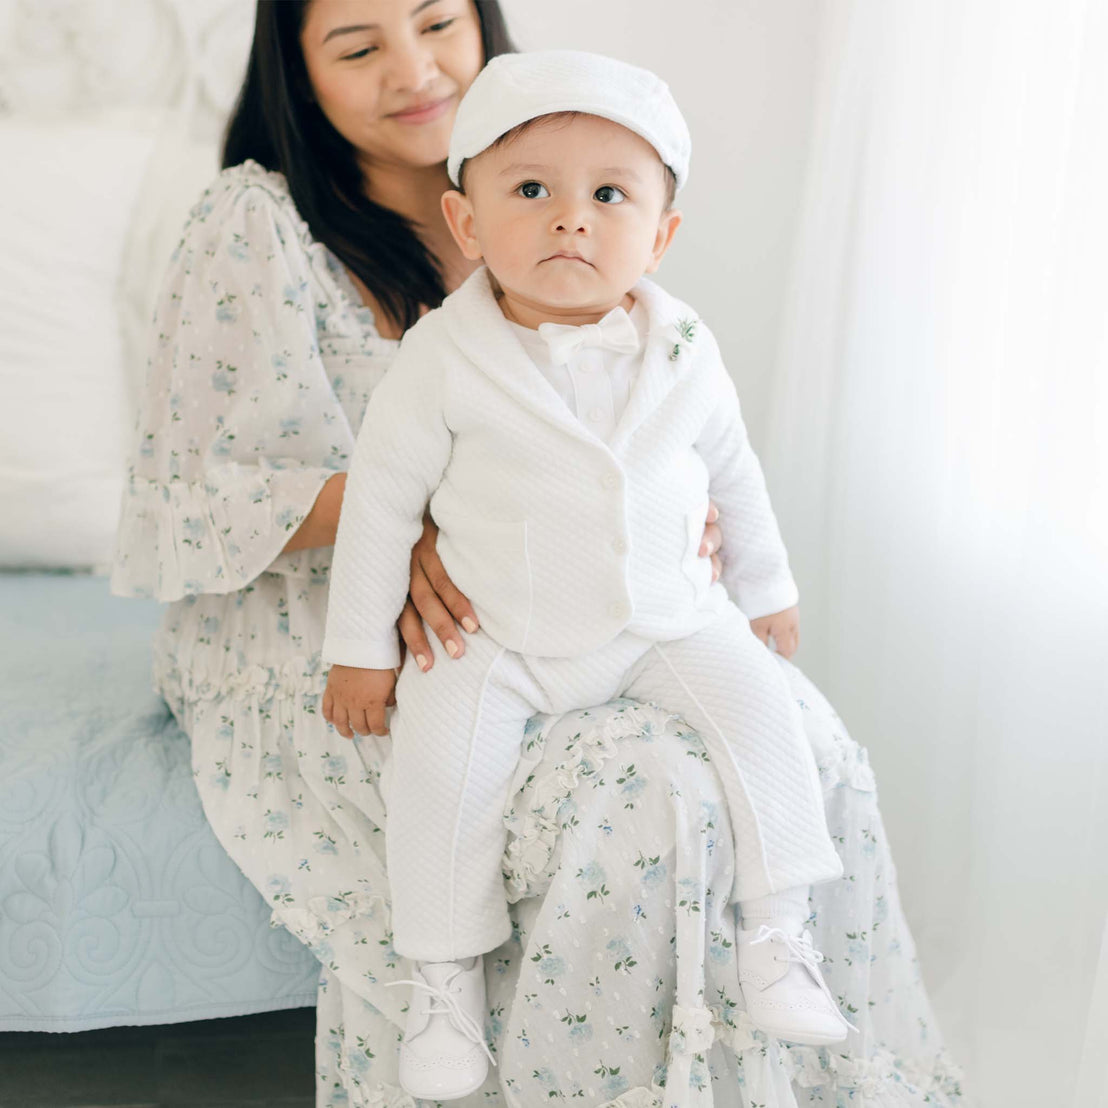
(117, 904)
(456, 738)
(618, 986)
(560, 540)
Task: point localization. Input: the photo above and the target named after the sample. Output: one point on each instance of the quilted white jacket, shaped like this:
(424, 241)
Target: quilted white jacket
(560, 541)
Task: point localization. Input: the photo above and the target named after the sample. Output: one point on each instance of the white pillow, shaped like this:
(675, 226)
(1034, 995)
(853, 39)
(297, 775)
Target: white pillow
(67, 196)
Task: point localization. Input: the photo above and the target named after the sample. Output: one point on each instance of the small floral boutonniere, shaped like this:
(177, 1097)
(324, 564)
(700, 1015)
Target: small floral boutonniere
(686, 332)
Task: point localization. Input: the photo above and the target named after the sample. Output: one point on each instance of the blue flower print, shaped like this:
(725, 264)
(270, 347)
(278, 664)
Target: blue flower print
(293, 294)
(654, 874)
(222, 447)
(193, 528)
(276, 824)
(721, 948)
(225, 310)
(880, 910)
(238, 249)
(619, 950)
(578, 1025)
(223, 380)
(552, 968)
(614, 1083)
(545, 1077)
(279, 889)
(593, 876)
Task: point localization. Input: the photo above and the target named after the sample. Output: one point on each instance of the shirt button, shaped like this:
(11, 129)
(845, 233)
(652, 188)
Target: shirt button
(595, 415)
(617, 611)
(619, 546)
(610, 480)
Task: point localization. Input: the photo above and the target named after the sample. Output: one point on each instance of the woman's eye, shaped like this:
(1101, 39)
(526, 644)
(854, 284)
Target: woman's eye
(441, 25)
(609, 194)
(532, 190)
(359, 54)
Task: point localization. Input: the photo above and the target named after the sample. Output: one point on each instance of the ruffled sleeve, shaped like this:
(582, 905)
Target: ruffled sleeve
(239, 426)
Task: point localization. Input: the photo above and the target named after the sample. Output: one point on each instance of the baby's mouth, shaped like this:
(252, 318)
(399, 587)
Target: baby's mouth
(567, 258)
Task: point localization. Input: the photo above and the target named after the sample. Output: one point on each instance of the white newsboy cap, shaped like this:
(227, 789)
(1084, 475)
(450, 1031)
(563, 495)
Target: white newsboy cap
(514, 88)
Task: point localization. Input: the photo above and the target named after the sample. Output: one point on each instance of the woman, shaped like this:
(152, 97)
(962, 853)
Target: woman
(299, 269)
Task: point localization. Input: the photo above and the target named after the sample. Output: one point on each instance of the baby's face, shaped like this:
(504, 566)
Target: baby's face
(567, 215)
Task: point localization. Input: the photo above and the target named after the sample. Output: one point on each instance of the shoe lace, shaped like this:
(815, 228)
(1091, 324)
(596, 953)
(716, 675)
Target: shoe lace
(801, 950)
(458, 1016)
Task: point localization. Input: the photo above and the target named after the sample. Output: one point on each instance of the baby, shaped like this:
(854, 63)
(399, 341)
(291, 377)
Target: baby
(567, 421)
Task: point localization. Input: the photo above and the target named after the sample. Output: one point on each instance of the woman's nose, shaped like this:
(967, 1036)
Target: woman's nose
(412, 67)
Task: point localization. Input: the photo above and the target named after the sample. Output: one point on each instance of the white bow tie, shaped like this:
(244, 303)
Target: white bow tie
(614, 332)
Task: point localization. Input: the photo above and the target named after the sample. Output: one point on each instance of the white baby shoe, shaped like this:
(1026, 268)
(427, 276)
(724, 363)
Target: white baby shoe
(444, 1055)
(785, 993)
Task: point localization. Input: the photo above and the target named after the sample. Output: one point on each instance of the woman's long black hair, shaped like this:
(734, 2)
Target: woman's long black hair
(278, 124)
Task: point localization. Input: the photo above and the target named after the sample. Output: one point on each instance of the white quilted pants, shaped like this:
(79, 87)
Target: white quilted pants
(456, 738)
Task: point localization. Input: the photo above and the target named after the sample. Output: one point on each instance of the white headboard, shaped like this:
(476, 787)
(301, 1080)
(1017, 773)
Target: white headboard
(64, 56)
(111, 113)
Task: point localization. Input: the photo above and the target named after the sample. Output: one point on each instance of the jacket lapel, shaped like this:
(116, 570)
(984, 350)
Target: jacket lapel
(664, 360)
(480, 331)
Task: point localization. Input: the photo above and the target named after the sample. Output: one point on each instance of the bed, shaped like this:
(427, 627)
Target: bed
(117, 905)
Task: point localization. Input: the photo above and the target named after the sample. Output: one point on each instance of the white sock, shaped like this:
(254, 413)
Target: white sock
(465, 963)
(789, 907)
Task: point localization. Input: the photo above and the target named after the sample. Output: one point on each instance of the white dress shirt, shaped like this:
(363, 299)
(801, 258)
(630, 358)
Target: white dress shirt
(595, 384)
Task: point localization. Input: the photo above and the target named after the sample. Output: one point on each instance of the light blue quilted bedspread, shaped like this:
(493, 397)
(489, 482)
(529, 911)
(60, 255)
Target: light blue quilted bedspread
(117, 905)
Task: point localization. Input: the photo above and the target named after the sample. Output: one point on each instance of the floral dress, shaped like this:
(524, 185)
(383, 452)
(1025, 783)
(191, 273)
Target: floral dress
(618, 986)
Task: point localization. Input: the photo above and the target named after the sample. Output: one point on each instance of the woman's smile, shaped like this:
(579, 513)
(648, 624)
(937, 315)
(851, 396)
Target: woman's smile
(423, 112)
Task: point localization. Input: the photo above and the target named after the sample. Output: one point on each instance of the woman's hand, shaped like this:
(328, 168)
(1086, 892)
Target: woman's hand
(712, 541)
(355, 700)
(783, 626)
(433, 599)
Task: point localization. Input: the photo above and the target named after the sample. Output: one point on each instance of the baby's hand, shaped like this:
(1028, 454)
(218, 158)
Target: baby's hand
(355, 700)
(783, 626)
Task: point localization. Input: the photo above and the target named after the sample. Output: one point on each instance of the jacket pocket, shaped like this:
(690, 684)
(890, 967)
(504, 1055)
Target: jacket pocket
(490, 562)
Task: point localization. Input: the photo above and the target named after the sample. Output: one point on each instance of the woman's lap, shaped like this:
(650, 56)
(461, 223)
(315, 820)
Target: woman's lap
(619, 863)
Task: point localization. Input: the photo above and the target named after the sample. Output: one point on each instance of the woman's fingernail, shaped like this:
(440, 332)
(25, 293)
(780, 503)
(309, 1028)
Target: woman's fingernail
(421, 661)
(469, 624)
(452, 648)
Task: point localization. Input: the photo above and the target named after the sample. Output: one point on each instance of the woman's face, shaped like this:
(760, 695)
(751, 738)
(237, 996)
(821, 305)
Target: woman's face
(388, 74)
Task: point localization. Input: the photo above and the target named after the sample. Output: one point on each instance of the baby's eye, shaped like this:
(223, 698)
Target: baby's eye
(532, 190)
(609, 194)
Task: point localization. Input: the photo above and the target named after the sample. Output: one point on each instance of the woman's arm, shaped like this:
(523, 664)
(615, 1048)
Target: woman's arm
(239, 428)
(321, 523)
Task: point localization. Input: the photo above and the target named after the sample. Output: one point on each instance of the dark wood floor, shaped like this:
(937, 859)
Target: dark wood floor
(264, 1061)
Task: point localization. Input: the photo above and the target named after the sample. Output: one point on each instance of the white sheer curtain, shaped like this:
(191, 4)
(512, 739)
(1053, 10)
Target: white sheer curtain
(939, 459)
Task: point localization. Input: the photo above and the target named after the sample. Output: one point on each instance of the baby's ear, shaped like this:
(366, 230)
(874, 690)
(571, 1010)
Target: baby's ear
(667, 228)
(458, 212)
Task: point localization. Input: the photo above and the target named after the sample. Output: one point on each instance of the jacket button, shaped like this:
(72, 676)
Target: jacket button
(619, 546)
(617, 611)
(610, 480)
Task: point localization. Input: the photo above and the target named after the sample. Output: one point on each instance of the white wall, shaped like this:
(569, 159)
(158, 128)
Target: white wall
(743, 74)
